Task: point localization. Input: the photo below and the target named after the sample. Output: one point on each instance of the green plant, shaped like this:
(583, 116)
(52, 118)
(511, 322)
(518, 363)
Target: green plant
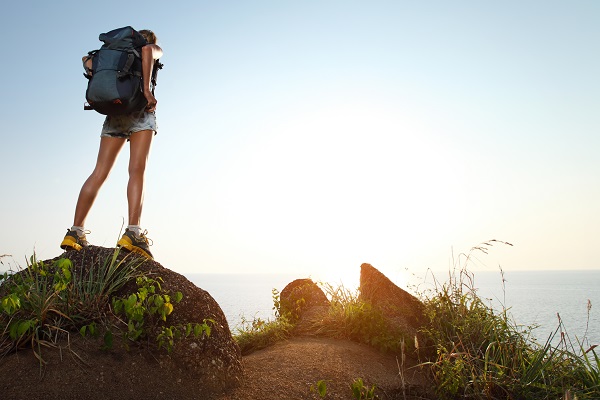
(360, 391)
(48, 300)
(485, 354)
(320, 387)
(32, 305)
(169, 335)
(350, 317)
(145, 306)
(145, 309)
(257, 334)
(93, 286)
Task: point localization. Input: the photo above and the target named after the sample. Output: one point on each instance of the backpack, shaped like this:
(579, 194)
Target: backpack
(115, 84)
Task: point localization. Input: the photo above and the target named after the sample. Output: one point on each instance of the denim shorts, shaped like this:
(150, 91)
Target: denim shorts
(122, 126)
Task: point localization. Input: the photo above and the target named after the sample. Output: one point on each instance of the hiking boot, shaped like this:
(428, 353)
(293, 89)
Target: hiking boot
(136, 244)
(73, 241)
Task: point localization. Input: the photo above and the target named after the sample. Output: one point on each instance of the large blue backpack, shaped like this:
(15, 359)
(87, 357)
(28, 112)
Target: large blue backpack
(115, 84)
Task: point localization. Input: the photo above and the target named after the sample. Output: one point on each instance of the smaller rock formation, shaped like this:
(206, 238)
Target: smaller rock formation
(304, 303)
(400, 308)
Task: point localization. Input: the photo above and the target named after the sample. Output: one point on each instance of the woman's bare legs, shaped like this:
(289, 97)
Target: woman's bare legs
(107, 155)
(140, 143)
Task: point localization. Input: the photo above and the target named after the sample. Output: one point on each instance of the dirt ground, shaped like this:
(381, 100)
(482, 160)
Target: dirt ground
(286, 370)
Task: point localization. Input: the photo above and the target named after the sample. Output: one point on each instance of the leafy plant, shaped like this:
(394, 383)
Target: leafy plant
(320, 387)
(33, 303)
(144, 309)
(360, 391)
(48, 300)
(169, 335)
(146, 305)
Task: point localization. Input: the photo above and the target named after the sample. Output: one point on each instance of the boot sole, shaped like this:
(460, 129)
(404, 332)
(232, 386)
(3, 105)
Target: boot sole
(70, 244)
(125, 243)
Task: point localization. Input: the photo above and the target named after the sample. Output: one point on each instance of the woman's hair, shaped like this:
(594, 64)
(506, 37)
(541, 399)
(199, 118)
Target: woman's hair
(149, 36)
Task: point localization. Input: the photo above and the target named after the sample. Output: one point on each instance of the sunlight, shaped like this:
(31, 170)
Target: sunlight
(345, 183)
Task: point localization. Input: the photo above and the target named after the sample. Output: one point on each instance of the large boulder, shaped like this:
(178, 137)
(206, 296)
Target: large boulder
(399, 307)
(304, 303)
(210, 364)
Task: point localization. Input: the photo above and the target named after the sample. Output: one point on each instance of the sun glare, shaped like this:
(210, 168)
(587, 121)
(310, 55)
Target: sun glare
(348, 183)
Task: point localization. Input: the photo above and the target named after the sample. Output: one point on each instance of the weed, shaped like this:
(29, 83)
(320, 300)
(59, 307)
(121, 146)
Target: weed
(169, 335)
(32, 309)
(147, 304)
(483, 354)
(145, 309)
(49, 300)
(349, 317)
(360, 391)
(320, 387)
(258, 333)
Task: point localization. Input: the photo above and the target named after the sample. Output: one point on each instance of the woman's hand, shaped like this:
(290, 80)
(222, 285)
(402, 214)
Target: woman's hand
(151, 106)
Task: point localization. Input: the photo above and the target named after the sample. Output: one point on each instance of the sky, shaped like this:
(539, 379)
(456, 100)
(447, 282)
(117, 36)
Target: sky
(310, 137)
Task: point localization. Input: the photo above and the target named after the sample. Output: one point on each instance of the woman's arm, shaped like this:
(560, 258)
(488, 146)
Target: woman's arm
(150, 52)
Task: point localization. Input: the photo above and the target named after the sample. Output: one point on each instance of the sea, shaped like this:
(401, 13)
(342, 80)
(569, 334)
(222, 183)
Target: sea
(539, 299)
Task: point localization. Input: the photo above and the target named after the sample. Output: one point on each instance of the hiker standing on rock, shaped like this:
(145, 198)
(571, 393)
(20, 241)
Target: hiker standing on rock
(137, 128)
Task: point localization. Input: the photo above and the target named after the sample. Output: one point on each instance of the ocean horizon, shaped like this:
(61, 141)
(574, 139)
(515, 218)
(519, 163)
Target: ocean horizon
(532, 298)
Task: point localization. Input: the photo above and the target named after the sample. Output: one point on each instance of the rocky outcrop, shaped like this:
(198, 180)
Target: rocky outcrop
(399, 307)
(209, 363)
(304, 303)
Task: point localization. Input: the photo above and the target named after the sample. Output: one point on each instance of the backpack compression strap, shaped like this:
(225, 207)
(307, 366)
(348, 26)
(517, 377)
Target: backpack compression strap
(131, 55)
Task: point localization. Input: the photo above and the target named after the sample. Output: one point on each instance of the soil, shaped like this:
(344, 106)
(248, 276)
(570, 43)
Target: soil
(286, 370)
(289, 369)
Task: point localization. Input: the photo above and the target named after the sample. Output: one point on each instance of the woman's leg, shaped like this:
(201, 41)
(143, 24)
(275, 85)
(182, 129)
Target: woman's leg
(107, 155)
(139, 151)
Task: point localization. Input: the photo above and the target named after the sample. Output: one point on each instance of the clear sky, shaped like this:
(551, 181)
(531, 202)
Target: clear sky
(313, 136)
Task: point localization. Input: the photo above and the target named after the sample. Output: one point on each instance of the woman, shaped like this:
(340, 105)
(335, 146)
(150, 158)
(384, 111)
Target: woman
(138, 129)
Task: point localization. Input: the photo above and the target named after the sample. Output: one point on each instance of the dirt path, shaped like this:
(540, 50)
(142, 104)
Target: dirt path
(288, 369)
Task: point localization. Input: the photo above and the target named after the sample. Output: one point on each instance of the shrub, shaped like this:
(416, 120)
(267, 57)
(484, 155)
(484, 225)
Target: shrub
(46, 301)
(258, 333)
(50, 300)
(349, 317)
(484, 354)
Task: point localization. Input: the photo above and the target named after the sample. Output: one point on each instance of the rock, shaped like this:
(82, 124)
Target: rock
(401, 308)
(303, 302)
(212, 364)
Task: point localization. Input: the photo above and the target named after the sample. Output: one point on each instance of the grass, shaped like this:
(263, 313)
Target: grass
(258, 334)
(351, 318)
(480, 353)
(48, 301)
(484, 354)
